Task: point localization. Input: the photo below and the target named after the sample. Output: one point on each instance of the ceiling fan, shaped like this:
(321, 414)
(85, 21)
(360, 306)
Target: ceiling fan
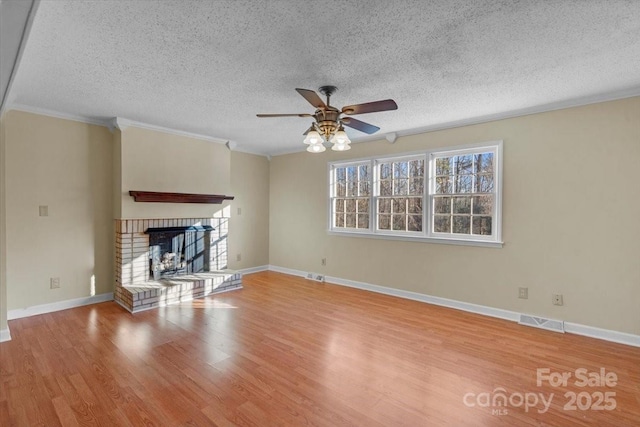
(328, 120)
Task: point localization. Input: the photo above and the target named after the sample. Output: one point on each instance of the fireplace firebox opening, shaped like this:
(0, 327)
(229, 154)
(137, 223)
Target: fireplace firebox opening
(176, 251)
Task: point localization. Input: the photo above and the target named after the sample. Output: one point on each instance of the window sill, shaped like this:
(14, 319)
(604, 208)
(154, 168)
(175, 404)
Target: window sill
(423, 239)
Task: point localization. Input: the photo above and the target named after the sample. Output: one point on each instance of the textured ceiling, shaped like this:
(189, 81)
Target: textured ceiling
(208, 67)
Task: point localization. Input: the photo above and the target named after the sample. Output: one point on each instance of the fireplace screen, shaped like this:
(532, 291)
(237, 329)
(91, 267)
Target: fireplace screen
(175, 251)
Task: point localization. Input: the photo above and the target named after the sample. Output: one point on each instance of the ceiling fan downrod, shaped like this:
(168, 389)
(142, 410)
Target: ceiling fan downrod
(327, 91)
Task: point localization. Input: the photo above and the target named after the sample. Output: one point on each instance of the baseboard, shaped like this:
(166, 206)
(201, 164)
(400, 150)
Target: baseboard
(5, 335)
(57, 306)
(253, 269)
(290, 271)
(572, 328)
(415, 296)
(602, 334)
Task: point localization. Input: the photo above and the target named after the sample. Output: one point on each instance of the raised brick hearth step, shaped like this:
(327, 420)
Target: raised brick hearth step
(143, 296)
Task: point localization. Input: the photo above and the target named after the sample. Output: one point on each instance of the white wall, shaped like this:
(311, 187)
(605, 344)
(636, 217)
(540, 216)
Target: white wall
(571, 220)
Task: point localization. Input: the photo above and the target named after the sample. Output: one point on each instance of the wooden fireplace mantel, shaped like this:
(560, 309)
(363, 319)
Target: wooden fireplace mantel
(161, 197)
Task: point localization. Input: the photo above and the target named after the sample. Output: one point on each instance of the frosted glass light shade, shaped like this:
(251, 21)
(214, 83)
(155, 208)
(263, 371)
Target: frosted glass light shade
(313, 137)
(340, 137)
(341, 147)
(316, 148)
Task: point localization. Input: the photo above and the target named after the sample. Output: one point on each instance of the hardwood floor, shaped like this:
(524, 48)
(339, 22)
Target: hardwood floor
(287, 351)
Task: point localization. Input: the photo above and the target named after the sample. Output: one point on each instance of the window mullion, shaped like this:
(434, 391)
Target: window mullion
(372, 195)
(406, 211)
(451, 213)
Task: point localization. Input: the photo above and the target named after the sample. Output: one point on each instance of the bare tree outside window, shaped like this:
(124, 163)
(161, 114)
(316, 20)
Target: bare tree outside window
(400, 193)
(351, 193)
(463, 201)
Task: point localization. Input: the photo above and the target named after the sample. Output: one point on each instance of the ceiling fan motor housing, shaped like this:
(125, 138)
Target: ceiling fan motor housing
(327, 121)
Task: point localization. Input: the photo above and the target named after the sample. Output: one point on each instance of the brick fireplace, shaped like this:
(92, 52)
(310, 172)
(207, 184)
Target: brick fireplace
(200, 270)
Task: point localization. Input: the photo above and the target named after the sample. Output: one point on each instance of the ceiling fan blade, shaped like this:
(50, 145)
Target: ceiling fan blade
(285, 115)
(370, 107)
(360, 125)
(312, 98)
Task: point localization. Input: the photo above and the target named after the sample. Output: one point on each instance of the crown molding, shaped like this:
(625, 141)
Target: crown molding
(118, 123)
(544, 108)
(113, 123)
(561, 105)
(126, 123)
(122, 123)
(286, 151)
(249, 151)
(60, 115)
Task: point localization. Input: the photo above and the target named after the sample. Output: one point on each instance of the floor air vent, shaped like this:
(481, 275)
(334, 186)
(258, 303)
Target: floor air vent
(316, 277)
(542, 323)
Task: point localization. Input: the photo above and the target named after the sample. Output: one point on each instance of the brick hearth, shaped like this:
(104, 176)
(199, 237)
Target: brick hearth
(170, 291)
(136, 291)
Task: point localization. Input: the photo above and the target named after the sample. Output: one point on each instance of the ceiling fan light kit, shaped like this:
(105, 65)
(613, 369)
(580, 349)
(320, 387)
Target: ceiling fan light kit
(316, 148)
(328, 125)
(341, 147)
(313, 137)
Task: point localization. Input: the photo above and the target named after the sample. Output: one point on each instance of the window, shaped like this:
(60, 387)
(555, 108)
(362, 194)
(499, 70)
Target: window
(450, 195)
(351, 196)
(399, 194)
(463, 197)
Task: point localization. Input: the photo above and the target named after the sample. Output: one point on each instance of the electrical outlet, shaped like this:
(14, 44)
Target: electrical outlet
(238, 257)
(523, 293)
(324, 261)
(54, 283)
(43, 210)
(557, 299)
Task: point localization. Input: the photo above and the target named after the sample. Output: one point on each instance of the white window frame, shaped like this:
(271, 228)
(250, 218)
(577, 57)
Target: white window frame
(332, 167)
(427, 234)
(496, 149)
(376, 194)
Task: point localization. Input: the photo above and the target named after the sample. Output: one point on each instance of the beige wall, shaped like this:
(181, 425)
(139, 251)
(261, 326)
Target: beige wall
(76, 169)
(157, 161)
(571, 220)
(117, 174)
(68, 167)
(3, 252)
(249, 229)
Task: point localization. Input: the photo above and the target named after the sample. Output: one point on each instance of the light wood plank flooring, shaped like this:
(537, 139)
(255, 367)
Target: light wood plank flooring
(291, 352)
